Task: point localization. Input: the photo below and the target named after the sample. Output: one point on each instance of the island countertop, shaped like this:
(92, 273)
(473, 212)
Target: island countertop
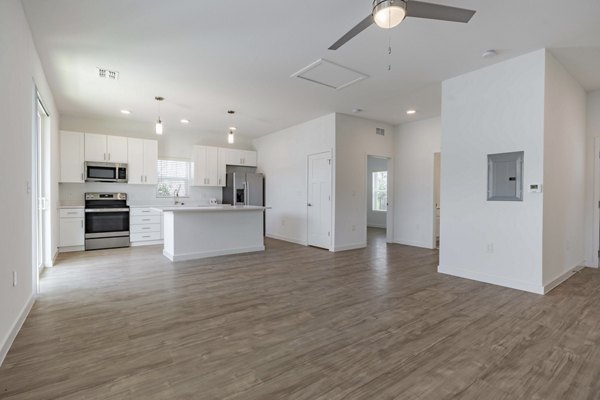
(216, 208)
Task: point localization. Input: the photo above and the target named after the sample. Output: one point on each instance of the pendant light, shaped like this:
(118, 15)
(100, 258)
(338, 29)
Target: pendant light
(232, 129)
(230, 136)
(159, 125)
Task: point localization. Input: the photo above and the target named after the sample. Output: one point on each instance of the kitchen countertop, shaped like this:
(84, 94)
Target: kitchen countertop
(65, 206)
(216, 208)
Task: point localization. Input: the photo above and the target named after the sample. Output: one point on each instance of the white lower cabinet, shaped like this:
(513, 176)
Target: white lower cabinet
(145, 226)
(71, 229)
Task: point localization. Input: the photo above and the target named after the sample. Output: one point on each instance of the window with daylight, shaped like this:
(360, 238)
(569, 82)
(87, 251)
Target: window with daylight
(173, 175)
(380, 191)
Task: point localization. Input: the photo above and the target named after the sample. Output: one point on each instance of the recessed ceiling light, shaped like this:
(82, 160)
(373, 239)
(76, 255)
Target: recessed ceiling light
(411, 112)
(126, 112)
(185, 121)
(489, 53)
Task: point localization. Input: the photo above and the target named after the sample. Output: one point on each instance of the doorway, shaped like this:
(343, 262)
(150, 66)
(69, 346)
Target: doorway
(437, 165)
(377, 199)
(319, 200)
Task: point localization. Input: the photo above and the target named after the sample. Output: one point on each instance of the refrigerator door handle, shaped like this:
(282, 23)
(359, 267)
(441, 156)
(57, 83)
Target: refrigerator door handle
(246, 193)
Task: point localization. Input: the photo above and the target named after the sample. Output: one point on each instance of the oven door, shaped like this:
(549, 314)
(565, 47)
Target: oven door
(98, 172)
(106, 222)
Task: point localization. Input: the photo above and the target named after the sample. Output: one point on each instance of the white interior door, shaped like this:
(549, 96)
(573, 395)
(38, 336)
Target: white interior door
(319, 200)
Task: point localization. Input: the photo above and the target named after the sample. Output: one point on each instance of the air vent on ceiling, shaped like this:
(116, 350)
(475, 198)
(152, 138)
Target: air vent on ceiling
(380, 131)
(106, 73)
(329, 74)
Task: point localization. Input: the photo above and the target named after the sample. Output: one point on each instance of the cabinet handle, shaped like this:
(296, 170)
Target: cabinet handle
(146, 228)
(108, 156)
(146, 219)
(145, 211)
(104, 156)
(82, 176)
(72, 212)
(145, 236)
(219, 181)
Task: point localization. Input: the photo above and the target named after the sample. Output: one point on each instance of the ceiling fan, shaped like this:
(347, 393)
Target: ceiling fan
(389, 13)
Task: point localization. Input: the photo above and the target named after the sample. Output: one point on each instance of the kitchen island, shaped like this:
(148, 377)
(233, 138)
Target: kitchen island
(192, 233)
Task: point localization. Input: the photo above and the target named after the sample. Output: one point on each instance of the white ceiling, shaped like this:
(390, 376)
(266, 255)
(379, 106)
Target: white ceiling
(206, 57)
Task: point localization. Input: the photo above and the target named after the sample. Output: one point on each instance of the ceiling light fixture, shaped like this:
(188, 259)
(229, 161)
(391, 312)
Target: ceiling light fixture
(411, 112)
(185, 121)
(232, 129)
(489, 53)
(388, 13)
(159, 125)
(126, 112)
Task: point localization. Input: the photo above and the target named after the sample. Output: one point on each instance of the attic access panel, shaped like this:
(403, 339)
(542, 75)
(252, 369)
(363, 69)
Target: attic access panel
(330, 74)
(505, 176)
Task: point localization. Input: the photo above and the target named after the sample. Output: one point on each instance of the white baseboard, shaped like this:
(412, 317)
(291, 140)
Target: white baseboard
(349, 247)
(71, 249)
(148, 243)
(413, 243)
(212, 253)
(8, 341)
(287, 239)
(54, 257)
(494, 280)
(561, 278)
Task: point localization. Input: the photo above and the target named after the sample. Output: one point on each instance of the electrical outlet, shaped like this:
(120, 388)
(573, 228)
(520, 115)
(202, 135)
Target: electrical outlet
(14, 278)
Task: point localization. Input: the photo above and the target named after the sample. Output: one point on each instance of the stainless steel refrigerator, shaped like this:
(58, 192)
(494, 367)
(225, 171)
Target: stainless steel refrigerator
(244, 187)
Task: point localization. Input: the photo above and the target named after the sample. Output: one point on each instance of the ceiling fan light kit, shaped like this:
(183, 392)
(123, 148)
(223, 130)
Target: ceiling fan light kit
(388, 13)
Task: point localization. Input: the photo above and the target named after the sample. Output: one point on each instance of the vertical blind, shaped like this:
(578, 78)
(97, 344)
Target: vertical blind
(173, 175)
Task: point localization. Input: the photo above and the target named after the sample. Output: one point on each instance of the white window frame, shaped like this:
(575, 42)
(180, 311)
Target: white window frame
(187, 180)
(374, 191)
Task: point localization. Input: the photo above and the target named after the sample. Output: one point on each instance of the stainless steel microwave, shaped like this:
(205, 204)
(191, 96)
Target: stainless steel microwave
(105, 172)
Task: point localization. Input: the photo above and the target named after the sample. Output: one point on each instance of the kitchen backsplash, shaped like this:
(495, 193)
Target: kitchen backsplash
(71, 194)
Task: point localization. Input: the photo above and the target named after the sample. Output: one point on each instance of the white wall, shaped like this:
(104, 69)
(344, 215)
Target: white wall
(592, 197)
(564, 172)
(283, 158)
(355, 139)
(375, 219)
(20, 70)
(494, 110)
(415, 146)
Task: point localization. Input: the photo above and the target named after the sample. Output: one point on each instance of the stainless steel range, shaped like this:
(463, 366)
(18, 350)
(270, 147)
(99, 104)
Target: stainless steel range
(106, 221)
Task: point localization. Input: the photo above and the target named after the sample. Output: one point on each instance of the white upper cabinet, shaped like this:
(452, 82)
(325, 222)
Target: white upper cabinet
(71, 157)
(245, 158)
(142, 156)
(206, 168)
(95, 147)
(151, 162)
(116, 148)
(222, 156)
(102, 148)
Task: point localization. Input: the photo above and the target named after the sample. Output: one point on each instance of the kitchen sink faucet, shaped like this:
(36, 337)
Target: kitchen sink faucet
(176, 195)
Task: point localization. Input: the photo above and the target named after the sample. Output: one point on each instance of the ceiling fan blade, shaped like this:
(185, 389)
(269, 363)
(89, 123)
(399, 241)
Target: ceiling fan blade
(362, 25)
(419, 9)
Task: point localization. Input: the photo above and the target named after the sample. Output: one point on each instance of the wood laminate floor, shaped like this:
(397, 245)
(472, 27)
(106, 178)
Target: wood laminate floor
(299, 323)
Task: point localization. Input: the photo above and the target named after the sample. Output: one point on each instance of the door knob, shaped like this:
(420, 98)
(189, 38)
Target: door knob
(310, 205)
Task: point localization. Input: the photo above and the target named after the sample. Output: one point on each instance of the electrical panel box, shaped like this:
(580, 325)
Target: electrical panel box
(505, 176)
